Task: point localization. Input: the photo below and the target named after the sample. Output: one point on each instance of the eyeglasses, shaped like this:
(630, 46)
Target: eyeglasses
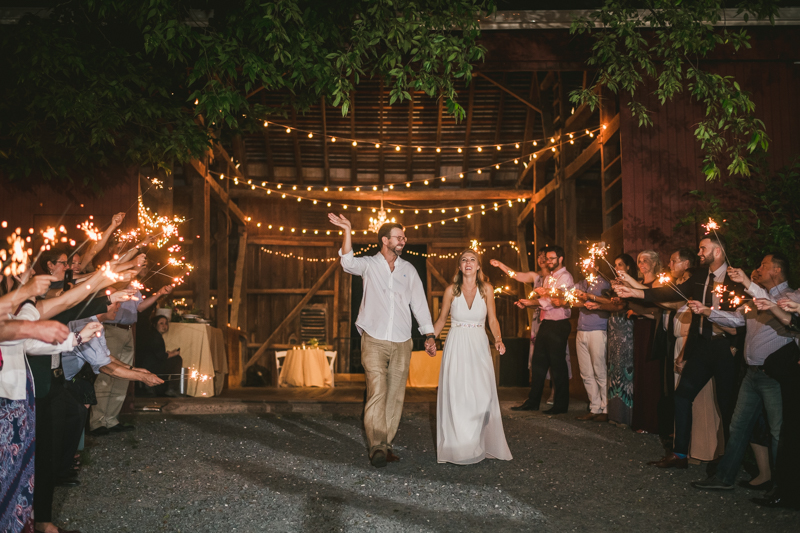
(62, 262)
(402, 239)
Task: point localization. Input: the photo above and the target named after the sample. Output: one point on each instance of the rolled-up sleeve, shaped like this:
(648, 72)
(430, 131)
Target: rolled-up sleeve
(727, 319)
(352, 264)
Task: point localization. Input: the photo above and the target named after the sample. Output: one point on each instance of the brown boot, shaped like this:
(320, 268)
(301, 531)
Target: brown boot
(587, 416)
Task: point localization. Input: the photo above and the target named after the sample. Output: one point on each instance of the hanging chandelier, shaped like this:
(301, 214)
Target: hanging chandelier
(376, 223)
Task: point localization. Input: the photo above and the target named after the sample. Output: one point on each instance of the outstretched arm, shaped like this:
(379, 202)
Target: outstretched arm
(341, 222)
(116, 220)
(522, 277)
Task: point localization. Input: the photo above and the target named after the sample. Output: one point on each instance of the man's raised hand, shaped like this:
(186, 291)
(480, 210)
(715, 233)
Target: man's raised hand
(339, 221)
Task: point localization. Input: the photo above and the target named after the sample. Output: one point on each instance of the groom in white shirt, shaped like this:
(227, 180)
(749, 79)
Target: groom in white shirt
(392, 291)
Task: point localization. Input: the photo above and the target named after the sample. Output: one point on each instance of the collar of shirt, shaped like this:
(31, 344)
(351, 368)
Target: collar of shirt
(719, 274)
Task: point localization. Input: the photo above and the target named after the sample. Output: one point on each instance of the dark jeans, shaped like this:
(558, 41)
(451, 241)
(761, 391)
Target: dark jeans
(783, 366)
(713, 359)
(548, 352)
(75, 422)
(758, 392)
(50, 425)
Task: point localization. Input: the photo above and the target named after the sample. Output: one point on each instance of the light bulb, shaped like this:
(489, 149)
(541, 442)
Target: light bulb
(459, 150)
(333, 139)
(397, 148)
(480, 149)
(288, 130)
(377, 145)
(419, 148)
(310, 135)
(438, 150)
(355, 143)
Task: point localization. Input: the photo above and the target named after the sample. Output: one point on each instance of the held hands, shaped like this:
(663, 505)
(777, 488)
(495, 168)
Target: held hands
(499, 346)
(339, 221)
(430, 346)
(679, 364)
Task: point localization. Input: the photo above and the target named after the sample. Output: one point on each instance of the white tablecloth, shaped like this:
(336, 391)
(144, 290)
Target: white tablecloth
(305, 368)
(202, 349)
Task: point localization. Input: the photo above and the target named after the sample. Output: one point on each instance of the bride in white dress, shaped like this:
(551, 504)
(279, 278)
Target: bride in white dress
(468, 423)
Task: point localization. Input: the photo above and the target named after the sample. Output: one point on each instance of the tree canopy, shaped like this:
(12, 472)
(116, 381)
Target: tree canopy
(96, 83)
(664, 41)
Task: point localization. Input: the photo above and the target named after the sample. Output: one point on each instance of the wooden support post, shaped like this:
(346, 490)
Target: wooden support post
(201, 248)
(238, 280)
(293, 314)
(223, 230)
(524, 266)
(381, 153)
(410, 149)
(436, 274)
(437, 162)
(497, 131)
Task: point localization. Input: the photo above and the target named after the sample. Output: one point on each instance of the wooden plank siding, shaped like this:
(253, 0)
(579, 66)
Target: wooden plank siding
(661, 164)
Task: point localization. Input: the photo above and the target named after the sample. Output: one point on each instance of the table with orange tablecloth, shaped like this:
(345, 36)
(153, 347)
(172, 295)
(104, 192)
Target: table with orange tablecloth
(423, 370)
(305, 367)
(202, 349)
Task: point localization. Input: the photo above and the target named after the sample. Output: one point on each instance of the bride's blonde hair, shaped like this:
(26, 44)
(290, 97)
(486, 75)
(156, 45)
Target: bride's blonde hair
(458, 278)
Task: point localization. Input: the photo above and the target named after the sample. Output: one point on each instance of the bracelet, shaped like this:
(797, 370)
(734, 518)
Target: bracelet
(130, 367)
(78, 339)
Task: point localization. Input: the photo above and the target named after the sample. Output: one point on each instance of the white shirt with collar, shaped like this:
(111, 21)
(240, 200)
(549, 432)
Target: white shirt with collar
(389, 297)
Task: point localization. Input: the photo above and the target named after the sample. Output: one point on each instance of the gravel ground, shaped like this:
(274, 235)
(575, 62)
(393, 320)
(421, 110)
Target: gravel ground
(311, 473)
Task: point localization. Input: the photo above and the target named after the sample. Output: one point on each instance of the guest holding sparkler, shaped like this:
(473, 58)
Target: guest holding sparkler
(535, 279)
(151, 352)
(766, 337)
(710, 349)
(591, 343)
(551, 342)
(80, 262)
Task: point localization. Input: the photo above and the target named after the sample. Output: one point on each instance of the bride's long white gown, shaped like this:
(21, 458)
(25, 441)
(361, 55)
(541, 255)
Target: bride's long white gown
(468, 423)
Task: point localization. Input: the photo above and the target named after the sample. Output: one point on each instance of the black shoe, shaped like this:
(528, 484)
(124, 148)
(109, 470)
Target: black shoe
(554, 411)
(378, 459)
(766, 486)
(99, 432)
(119, 428)
(526, 406)
(67, 482)
(778, 501)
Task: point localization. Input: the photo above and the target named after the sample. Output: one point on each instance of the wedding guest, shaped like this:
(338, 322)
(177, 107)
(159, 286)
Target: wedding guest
(151, 352)
(620, 350)
(646, 369)
(765, 336)
(591, 344)
(709, 347)
(551, 342)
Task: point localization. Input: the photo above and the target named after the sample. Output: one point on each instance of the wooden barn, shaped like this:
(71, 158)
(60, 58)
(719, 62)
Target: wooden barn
(525, 168)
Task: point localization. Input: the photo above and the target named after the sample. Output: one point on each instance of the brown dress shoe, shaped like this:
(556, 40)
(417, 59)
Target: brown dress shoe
(587, 416)
(600, 417)
(673, 461)
(378, 459)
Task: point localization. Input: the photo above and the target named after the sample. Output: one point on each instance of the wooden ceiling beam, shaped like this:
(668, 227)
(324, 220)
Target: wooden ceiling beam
(396, 195)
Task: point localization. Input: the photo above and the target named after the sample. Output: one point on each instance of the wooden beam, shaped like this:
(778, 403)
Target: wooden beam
(266, 240)
(527, 135)
(293, 314)
(265, 292)
(579, 165)
(468, 132)
(238, 278)
(326, 165)
(398, 195)
(201, 248)
(543, 155)
(547, 189)
(436, 274)
(525, 212)
(270, 164)
(507, 90)
(298, 158)
(223, 232)
(524, 266)
(353, 149)
(219, 191)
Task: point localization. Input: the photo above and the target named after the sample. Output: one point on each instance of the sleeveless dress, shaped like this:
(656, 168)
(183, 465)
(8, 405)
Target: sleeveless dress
(469, 427)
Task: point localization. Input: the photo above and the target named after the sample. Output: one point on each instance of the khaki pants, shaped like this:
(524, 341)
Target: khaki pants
(111, 391)
(386, 368)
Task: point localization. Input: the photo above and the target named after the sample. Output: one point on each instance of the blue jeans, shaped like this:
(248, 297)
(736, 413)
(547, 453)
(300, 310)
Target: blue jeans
(758, 391)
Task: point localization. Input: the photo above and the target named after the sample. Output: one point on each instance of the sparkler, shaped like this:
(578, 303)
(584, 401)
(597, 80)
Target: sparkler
(92, 232)
(664, 279)
(600, 249)
(713, 226)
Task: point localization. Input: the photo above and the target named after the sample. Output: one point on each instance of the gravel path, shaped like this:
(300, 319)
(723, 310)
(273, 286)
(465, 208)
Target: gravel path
(310, 473)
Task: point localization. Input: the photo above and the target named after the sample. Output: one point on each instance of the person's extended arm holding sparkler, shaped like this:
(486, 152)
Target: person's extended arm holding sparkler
(522, 277)
(116, 220)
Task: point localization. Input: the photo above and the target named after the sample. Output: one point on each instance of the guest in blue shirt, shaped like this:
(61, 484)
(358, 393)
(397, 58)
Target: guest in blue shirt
(592, 347)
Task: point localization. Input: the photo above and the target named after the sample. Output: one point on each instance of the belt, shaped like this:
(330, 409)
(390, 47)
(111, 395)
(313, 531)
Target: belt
(126, 327)
(465, 325)
(756, 367)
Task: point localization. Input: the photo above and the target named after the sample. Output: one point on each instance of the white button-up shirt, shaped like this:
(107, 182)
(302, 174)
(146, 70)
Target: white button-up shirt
(389, 297)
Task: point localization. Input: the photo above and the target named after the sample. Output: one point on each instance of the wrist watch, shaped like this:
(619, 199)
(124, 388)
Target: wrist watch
(430, 336)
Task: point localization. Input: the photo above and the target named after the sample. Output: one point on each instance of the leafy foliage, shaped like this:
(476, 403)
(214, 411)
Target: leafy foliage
(665, 42)
(99, 83)
(758, 215)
